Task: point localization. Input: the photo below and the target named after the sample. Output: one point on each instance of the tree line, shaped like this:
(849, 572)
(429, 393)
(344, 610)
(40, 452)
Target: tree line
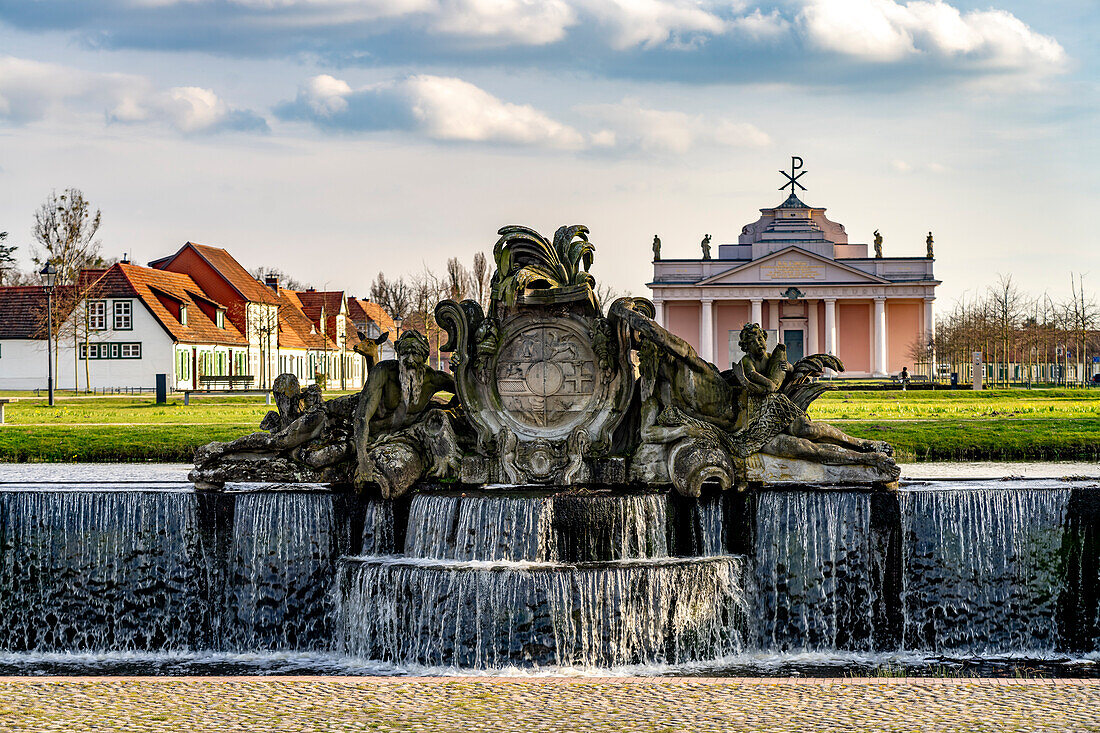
(1022, 338)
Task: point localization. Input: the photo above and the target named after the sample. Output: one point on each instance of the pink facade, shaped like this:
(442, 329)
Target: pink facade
(795, 273)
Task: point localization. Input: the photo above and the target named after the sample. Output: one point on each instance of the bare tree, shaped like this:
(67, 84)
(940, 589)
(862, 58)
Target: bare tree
(7, 257)
(286, 281)
(482, 275)
(65, 229)
(459, 282)
(394, 296)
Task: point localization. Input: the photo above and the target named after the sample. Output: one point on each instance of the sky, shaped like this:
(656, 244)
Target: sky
(333, 139)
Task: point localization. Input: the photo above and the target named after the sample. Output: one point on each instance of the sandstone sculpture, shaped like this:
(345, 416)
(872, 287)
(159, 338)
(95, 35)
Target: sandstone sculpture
(545, 392)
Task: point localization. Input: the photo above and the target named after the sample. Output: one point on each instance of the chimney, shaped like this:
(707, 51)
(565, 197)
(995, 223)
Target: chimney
(271, 280)
(125, 258)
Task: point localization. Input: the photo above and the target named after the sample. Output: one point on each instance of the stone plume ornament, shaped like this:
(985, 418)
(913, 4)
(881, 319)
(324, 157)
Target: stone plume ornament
(548, 390)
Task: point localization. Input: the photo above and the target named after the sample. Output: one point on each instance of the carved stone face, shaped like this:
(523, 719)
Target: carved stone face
(756, 345)
(411, 371)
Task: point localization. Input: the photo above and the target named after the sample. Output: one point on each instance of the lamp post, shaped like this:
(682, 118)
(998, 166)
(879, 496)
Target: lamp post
(49, 273)
(397, 321)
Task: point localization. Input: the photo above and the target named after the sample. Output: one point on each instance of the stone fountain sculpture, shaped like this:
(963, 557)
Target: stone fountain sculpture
(545, 391)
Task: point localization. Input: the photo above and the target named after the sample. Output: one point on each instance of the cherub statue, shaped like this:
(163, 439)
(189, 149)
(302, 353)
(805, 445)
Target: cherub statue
(705, 244)
(656, 248)
(928, 242)
(878, 245)
(769, 420)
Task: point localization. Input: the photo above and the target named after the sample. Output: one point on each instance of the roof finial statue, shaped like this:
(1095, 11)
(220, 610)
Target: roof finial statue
(878, 245)
(792, 178)
(705, 244)
(929, 242)
(656, 248)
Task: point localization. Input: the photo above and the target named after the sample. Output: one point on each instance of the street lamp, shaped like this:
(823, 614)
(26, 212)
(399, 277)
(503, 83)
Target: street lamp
(49, 274)
(397, 321)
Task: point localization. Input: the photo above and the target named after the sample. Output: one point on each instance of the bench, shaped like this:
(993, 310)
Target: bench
(2, 403)
(240, 381)
(225, 392)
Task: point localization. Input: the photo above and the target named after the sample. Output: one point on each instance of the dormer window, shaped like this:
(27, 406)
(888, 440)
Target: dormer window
(219, 318)
(183, 315)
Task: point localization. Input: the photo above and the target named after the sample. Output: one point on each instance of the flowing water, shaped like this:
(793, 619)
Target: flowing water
(156, 577)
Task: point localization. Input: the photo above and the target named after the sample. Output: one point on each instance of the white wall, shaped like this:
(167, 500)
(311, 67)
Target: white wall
(23, 364)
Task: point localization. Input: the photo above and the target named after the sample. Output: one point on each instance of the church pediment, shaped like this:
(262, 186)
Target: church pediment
(792, 265)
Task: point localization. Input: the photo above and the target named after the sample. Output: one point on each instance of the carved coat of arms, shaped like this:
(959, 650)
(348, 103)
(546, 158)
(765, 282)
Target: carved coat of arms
(542, 374)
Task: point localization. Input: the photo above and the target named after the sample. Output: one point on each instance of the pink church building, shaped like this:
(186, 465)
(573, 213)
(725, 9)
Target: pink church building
(794, 272)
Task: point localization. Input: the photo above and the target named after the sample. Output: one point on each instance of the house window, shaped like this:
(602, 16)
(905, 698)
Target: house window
(97, 315)
(114, 351)
(123, 316)
(219, 319)
(183, 315)
(130, 351)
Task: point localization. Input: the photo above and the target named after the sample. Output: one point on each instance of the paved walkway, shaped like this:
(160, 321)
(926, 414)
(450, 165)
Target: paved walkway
(466, 704)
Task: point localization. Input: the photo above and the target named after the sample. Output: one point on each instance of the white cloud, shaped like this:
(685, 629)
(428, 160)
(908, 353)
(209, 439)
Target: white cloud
(453, 109)
(440, 108)
(889, 31)
(521, 22)
(651, 22)
(31, 91)
(654, 130)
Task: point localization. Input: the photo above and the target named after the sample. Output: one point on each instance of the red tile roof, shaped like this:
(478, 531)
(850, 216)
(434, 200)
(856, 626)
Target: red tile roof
(23, 312)
(361, 310)
(141, 282)
(296, 330)
(252, 289)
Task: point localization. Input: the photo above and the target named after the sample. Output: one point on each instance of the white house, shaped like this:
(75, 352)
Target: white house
(128, 326)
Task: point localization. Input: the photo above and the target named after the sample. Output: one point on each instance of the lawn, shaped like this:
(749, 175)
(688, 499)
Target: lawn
(942, 425)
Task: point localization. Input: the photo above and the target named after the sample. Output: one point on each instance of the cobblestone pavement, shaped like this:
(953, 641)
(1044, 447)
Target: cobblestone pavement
(271, 704)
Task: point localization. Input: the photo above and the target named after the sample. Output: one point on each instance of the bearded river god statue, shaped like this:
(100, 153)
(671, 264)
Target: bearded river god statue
(548, 390)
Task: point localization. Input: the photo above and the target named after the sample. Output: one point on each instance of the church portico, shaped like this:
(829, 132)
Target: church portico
(795, 273)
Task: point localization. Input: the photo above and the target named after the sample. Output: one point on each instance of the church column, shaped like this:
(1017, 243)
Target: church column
(880, 335)
(706, 330)
(929, 317)
(757, 316)
(659, 305)
(830, 326)
(773, 316)
(811, 327)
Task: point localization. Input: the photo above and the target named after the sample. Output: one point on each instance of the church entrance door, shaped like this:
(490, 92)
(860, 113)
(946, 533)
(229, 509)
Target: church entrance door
(794, 343)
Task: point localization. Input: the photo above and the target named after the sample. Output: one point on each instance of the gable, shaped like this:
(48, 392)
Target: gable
(792, 265)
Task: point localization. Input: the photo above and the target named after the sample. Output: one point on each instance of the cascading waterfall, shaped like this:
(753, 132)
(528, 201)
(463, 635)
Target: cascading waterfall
(983, 569)
(538, 528)
(813, 576)
(580, 579)
(497, 614)
(281, 566)
(378, 529)
(491, 581)
(101, 570)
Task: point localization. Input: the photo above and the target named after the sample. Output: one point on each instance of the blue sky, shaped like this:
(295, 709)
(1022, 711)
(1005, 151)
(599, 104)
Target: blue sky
(337, 138)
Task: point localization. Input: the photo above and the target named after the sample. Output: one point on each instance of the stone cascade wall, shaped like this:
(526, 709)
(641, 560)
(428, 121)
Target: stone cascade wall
(492, 581)
(955, 569)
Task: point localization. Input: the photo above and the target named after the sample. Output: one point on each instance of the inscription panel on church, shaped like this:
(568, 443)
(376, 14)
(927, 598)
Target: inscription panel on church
(792, 270)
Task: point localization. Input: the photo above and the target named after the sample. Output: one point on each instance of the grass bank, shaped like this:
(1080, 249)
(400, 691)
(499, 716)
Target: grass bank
(1048, 424)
